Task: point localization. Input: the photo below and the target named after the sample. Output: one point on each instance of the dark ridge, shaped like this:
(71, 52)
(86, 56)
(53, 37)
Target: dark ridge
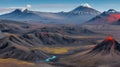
(13, 50)
(4, 45)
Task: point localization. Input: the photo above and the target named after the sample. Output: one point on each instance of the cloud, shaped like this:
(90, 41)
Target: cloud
(28, 6)
(6, 9)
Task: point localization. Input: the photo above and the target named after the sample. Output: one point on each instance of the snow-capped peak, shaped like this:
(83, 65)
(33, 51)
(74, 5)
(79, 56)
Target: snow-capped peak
(23, 9)
(86, 5)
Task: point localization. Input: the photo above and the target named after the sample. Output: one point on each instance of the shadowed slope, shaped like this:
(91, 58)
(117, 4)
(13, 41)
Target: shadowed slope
(11, 49)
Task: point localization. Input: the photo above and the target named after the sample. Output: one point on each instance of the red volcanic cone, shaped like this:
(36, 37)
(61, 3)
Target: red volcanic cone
(109, 38)
(109, 45)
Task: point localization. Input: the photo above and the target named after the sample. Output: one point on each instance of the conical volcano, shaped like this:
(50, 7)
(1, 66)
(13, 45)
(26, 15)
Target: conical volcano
(105, 54)
(85, 9)
(109, 45)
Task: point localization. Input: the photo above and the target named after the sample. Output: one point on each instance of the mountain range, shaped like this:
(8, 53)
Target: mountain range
(81, 14)
(78, 15)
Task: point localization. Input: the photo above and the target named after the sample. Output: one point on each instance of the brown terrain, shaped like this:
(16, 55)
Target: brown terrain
(30, 45)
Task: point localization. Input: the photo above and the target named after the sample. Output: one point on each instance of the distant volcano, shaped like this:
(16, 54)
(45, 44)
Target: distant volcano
(111, 17)
(109, 45)
(85, 9)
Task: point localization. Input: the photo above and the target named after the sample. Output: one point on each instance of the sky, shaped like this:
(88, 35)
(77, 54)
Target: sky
(57, 5)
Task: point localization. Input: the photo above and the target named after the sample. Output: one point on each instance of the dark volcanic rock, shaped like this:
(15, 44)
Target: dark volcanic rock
(10, 49)
(13, 27)
(67, 30)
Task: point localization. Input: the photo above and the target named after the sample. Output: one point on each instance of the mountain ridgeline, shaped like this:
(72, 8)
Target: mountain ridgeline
(81, 14)
(78, 15)
(110, 17)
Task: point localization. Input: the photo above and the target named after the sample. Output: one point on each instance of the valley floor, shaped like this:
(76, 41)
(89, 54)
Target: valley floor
(81, 43)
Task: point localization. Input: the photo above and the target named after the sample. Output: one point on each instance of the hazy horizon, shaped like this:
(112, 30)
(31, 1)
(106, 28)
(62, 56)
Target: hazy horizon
(56, 5)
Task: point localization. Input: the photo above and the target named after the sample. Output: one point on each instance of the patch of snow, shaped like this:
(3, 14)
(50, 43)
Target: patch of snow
(86, 5)
(23, 9)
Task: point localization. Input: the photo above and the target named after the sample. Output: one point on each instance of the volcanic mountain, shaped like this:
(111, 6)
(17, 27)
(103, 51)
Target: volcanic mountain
(111, 17)
(108, 46)
(106, 53)
(20, 15)
(85, 9)
(78, 15)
